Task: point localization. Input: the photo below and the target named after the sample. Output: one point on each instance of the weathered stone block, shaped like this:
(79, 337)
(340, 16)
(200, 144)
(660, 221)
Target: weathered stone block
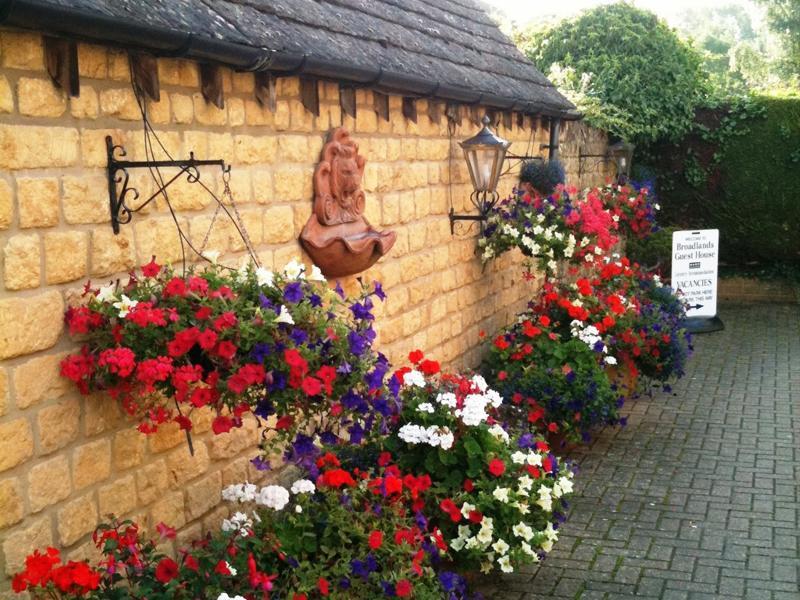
(49, 483)
(57, 425)
(112, 253)
(31, 147)
(38, 380)
(66, 256)
(91, 463)
(16, 443)
(76, 519)
(22, 262)
(30, 324)
(40, 98)
(11, 507)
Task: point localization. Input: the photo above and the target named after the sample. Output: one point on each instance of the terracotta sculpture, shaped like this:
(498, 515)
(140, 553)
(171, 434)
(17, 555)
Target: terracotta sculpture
(338, 238)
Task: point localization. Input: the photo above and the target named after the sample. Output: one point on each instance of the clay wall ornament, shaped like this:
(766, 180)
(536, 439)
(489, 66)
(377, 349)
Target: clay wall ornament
(337, 237)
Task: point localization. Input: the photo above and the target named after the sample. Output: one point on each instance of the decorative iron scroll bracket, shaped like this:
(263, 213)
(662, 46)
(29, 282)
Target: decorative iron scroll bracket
(483, 202)
(117, 170)
(603, 158)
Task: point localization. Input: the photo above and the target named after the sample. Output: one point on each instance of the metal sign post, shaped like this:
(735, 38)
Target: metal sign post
(695, 255)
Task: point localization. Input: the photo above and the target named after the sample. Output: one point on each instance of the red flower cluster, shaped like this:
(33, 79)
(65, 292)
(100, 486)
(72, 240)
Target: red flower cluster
(76, 578)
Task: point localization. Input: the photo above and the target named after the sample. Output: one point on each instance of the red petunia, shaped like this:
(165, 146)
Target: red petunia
(221, 424)
(284, 422)
(497, 467)
(468, 485)
(151, 269)
(403, 588)
(475, 516)
(327, 375)
(311, 386)
(323, 586)
(166, 570)
(375, 539)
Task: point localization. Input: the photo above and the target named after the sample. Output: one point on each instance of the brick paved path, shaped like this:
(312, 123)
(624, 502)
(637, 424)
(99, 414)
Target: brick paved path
(698, 496)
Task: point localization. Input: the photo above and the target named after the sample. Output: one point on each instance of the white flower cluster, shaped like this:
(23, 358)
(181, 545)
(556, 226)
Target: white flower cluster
(294, 269)
(414, 378)
(238, 522)
(275, 497)
(432, 435)
(473, 413)
(224, 596)
(303, 486)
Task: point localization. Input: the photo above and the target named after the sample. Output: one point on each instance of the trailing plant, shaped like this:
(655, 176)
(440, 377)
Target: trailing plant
(282, 345)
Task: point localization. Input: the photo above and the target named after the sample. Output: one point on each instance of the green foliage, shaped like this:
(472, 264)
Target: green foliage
(784, 19)
(652, 252)
(748, 155)
(637, 71)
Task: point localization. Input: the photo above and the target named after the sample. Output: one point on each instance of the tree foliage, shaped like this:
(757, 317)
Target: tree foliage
(627, 69)
(784, 18)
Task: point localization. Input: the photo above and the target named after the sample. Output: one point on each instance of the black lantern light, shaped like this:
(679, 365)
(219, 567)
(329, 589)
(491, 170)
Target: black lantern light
(485, 154)
(622, 155)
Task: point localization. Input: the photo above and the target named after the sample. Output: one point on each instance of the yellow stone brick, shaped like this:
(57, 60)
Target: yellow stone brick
(57, 425)
(168, 436)
(300, 119)
(262, 186)
(93, 147)
(302, 212)
(49, 483)
(182, 466)
(288, 86)
(11, 507)
(236, 116)
(170, 509)
(91, 463)
(17, 545)
(254, 225)
(30, 147)
(16, 443)
(85, 106)
(39, 379)
(292, 183)
(22, 51)
(220, 145)
(112, 253)
(4, 381)
(159, 238)
(243, 83)
(120, 103)
(207, 113)
(281, 115)
(40, 98)
(92, 62)
(293, 148)
(117, 498)
(151, 481)
(77, 519)
(137, 150)
(159, 112)
(85, 199)
(6, 205)
(38, 199)
(256, 114)
(278, 224)
(196, 142)
(101, 413)
(22, 262)
(30, 324)
(252, 149)
(182, 108)
(66, 254)
(6, 96)
(204, 495)
(118, 65)
(128, 449)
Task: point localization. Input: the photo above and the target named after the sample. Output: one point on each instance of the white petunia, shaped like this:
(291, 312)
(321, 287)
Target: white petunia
(294, 269)
(264, 277)
(505, 564)
(545, 498)
(501, 494)
(500, 546)
(610, 360)
(518, 457)
(224, 596)
(521, 530)
(212, 255)
(316, 274)
(107, 293)
(285, 316)
(125, 305)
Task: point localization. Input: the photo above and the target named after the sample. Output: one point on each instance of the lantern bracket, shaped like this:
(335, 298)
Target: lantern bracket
(119, 190)
(483, 201)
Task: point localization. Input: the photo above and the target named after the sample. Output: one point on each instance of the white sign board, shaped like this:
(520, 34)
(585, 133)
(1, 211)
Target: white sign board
(694, 270)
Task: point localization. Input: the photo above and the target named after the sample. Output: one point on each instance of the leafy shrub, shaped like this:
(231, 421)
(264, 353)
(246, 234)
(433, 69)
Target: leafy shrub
(649, 80)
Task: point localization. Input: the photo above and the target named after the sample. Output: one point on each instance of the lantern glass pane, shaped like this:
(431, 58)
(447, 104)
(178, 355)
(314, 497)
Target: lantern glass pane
(481, 161)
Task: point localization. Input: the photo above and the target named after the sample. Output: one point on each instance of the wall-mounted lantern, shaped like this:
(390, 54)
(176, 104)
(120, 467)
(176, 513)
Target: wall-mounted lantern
(485, 153)
(620, 153)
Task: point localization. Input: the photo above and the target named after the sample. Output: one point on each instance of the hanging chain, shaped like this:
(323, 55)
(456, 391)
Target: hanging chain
(228, 195)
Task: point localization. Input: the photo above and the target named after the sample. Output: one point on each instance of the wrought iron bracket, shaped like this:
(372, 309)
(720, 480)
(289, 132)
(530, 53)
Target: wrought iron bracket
(603, 158)
(121, 194)
(483, 202)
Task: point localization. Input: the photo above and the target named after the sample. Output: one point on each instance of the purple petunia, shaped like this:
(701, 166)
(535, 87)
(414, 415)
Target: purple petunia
(293, 292)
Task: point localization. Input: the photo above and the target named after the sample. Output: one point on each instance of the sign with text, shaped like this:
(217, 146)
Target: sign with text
(694, 270)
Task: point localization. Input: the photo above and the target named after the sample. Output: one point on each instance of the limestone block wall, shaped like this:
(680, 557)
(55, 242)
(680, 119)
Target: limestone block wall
(67, 461)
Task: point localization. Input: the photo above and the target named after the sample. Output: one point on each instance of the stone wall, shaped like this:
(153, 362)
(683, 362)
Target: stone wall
(66, 461)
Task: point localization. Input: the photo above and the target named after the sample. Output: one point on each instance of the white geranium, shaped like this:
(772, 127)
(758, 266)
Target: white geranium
(303, 486)
(425, 407)
(238, 522)
(414, 378)
(447, 399)
(610, 360)
(479, 382)
(275, 497)
(240, 492)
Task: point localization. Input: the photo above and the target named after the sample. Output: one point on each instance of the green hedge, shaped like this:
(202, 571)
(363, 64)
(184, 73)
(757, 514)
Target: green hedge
(759, 217)
(747, 186)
